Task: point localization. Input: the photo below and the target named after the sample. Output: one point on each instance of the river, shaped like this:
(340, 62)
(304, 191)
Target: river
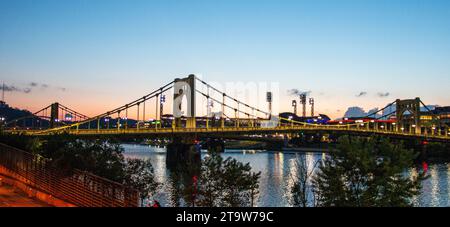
(277, 169)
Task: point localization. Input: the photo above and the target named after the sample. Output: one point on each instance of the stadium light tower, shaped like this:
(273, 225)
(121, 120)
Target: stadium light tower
(303, 102)
(294, 104)
(311, 102)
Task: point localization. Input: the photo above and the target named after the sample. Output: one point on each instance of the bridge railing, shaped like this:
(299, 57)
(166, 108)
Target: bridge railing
(79, 188)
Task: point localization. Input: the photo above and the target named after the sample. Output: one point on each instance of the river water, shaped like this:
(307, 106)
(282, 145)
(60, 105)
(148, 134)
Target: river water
(277, 171)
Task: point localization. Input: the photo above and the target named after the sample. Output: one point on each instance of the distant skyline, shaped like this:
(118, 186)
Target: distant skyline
(96, 55)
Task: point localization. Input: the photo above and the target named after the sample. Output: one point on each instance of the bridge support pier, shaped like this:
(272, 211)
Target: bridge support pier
(182, 151)
(54, 115)
(215, 145)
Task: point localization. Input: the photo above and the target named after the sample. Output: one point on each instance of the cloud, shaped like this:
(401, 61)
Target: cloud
(29, 88)
(372, 113)
(297, 92)
(356, 111)
(362, 93)
(12, 88)
(383, 94)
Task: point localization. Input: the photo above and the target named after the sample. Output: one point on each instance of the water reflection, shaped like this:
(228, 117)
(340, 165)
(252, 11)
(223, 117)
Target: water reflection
(278, 169)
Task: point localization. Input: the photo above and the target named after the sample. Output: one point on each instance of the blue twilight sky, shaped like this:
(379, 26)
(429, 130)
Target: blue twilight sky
(95, 55)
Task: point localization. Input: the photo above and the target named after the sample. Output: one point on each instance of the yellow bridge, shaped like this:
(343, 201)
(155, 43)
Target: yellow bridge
(248, 120)
(364, 129)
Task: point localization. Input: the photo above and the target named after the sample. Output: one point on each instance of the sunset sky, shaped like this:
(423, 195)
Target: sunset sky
(96, 55)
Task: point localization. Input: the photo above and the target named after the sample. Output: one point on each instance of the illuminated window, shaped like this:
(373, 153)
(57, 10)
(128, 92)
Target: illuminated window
(446, 116)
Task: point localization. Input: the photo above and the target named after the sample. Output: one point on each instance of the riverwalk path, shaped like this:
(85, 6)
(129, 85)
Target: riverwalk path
(9, 197)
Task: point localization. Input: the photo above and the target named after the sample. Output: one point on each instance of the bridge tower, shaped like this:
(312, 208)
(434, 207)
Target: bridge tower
(54, 113)
(413, 107)
(184, 87)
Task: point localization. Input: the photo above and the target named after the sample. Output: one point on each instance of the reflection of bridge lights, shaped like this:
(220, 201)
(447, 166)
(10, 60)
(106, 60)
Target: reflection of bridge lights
(382, 126)
(402, 128)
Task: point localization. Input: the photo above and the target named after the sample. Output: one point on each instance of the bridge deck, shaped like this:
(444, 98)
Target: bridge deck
(240, 131)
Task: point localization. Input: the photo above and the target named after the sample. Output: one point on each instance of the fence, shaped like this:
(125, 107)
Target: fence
(79, 188)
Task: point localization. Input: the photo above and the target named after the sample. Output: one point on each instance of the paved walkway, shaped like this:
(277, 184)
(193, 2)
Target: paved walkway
(16, 198)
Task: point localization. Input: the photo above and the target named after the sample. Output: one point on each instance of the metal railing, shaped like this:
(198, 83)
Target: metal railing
(79, 188)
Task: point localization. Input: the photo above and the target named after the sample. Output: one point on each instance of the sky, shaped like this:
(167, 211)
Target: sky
(96, 55)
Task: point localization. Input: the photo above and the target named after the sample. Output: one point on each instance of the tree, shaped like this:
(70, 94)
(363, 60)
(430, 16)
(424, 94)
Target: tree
(366, 172)
(239, 184)
(100, 157)
(210, 181)
(138, 174)
(227, 183)
(302, 188)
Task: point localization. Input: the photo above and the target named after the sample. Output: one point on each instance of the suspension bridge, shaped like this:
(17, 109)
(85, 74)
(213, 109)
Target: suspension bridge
(409, 119)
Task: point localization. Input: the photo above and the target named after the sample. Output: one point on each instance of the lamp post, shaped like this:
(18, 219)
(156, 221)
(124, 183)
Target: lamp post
(2, 121)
